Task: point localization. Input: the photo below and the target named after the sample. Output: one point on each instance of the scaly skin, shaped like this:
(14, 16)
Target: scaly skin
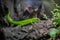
(23, 22)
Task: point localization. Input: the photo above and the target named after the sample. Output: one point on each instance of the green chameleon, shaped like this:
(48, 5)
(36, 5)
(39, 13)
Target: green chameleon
(23, 22)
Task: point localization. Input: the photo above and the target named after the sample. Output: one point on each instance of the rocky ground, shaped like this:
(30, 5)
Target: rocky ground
(36, 31)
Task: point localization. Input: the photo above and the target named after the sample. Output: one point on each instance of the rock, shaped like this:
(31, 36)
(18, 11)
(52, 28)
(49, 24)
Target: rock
(35, 31)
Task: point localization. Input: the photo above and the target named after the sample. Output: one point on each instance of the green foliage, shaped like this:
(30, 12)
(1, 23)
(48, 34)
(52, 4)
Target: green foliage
(44, 16)
(56, 18)
(23, 22)
(57, 1)
(56, 15)
(54, 32)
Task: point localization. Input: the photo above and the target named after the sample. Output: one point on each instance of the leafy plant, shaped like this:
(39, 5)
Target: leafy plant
(56, 15)
(56, 18)
(54, 32)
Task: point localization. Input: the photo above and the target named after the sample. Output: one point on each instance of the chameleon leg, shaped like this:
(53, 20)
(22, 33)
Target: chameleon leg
(31, 22)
